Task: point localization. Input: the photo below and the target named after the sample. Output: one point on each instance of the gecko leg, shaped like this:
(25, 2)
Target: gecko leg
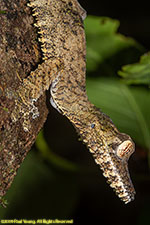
(31, 89)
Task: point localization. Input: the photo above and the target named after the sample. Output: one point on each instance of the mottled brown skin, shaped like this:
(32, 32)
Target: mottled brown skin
(60, 25)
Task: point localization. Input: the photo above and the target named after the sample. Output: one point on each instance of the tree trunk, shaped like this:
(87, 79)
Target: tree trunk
(19, 54)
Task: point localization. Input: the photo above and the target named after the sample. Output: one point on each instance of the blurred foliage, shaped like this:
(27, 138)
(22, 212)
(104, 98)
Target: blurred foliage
(47, 185)
(2, 12)
(103, 42)
(124, 105)
(138, 73)
(38, 191)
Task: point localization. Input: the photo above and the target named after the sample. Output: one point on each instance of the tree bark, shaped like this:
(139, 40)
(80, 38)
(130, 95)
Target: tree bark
(19, 54)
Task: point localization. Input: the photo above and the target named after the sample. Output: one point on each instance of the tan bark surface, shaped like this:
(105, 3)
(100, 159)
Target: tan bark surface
(19, 54)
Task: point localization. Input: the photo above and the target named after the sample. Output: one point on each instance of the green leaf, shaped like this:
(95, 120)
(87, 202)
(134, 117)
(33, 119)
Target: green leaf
(2, 12)
(38, 192)
(124, 105)
(138, 73)
(103, 42)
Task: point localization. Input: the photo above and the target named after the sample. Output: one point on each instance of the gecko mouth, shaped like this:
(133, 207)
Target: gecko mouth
(115, 169)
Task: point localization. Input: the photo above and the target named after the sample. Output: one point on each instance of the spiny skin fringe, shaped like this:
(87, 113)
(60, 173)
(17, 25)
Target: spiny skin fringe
(61, 30)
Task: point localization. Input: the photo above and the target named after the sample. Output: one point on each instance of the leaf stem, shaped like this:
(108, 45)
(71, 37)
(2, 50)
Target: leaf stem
(52, 157)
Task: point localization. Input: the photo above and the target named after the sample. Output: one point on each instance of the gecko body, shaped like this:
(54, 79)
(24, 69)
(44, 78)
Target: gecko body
(62, 37)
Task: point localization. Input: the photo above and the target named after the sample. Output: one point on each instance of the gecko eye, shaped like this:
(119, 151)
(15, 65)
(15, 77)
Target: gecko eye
(125, 149)
(92, 125)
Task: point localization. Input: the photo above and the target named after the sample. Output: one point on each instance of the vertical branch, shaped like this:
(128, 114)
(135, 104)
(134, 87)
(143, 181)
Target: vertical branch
(19, 52)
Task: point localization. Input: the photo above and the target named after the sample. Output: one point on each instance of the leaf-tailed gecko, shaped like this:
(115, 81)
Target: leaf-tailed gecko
(62, 37)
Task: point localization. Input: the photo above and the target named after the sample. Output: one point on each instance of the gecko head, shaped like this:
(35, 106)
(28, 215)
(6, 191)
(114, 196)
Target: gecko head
(112, 151)
(117, 171)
